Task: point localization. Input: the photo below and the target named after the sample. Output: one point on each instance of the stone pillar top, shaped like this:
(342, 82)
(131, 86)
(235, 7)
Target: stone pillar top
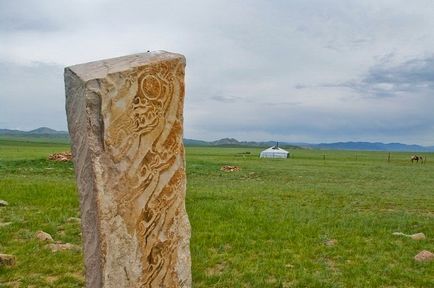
(100, 69)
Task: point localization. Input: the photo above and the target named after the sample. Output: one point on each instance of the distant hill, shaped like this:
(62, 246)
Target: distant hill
(231, 142)
(42, 132)
(369, 146)
(45, 132)
(192, 142)
(361, 146)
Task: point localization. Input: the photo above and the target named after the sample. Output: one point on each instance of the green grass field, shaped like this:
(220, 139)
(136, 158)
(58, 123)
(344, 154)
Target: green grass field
(299, 222)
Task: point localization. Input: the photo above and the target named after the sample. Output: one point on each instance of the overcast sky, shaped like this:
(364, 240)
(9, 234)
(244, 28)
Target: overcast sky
(297, 71)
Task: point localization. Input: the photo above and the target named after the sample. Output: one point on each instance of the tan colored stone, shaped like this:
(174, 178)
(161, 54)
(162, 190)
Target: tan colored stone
(73, 219)
(55, 247)
(7, 260)
(43, 236)
(418, 236)
(125, 117)
(424, 256)
(331, 242)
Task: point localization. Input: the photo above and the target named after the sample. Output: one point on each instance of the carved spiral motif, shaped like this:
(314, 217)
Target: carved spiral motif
(147, 145)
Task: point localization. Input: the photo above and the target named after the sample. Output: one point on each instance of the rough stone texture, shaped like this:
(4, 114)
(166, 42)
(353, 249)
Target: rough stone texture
(7, 260)
(418, 236)
(43, 236)
(55, 247)
(424, 256)
(125, 118)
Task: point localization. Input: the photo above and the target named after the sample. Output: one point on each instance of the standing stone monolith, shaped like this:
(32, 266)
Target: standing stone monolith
(125, 119)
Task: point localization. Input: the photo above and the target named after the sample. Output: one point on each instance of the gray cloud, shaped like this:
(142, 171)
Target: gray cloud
(413, 76)
(252, 67)
(31, 96)
(20, 15)
(385, 80)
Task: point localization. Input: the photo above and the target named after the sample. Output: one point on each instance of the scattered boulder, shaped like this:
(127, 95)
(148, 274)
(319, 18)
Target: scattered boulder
(55, 247)
(3, 203)
(60, 157)
(73, 219)
(424, 256)
(418, 236)
(229, 168)
(44, 236)
(331, 242)
(7, 260)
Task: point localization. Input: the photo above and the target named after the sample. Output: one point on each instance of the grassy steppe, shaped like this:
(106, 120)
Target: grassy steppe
(300, 222)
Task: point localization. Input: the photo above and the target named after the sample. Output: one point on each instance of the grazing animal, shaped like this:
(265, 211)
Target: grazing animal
(416, 158)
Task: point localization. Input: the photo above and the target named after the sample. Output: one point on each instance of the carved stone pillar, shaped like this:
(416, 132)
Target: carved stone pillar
(125, 118)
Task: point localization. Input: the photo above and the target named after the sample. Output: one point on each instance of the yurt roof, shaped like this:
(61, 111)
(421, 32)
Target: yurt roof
(275, 149)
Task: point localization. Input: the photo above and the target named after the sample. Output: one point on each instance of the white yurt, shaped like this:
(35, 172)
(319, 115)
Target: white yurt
(274, 152)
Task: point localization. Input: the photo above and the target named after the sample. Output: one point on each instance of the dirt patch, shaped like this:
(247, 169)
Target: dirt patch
(217, 270)
(13, 284)
(229, 168)
(51, 279)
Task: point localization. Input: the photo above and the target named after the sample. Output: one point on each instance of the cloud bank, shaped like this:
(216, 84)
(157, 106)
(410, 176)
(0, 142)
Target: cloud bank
(300, 71)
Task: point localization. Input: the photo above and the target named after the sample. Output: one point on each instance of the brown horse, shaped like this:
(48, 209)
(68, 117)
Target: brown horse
(416, 158)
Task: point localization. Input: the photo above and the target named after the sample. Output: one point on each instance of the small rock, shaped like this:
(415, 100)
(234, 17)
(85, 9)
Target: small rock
(7, 260)
(62, 247)
(73, 219)
(331, 242)
(61, 157)
(4, 224)
(424, 256)
(418, 236)
(229, 168)
(3, 203)
(44, 236)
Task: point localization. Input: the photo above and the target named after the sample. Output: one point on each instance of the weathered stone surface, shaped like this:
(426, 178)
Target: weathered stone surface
(73, 219)
(7, 260)
(424, 256)
(418, 236)
(125, 117)
(43, 236)
(55, 247)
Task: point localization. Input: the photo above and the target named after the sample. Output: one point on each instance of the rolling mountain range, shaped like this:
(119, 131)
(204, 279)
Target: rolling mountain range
(369, 146)
(231, 142)
(45, 132)
(366, 146)
(37, 133)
